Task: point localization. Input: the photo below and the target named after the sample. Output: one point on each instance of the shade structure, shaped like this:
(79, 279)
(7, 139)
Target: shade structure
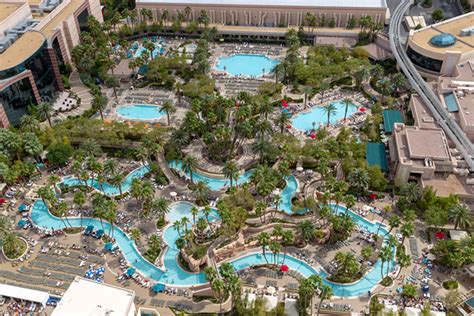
(22, 223)
(23, 207)
(284, 268)
(426, 288)
(89, 274)
(100, 270)
(158, 287)
(99, 233)
(2, 200)
(372, 196)
(109, 246)
(89, 229)
(130, 271)
(440, 235)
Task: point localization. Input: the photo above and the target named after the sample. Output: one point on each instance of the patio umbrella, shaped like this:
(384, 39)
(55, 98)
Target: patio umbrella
(362, 109)
(2, 200)
(173, 194)
(426, 288)
(372, 196)
(440, 235)
(100, 270)
(23, 207)
(99, 233)
(284, 268)
(108, 246)
(130, 271)
(89, 274)
(313, 136)
(22, 223)
(289, 126)
(158, 287)
(271, 290)
(89, 229)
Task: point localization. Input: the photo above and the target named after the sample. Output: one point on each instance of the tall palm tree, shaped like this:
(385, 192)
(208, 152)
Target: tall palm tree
(135, 234)
(206, 211)
(161, 206)
(348, 103)
(111, 215)
(231, 171)
(393, 222)
(325, 294)
(275, 248)
(9, 244)
(99, 103)
(460, 215)
(168, 108)
(359, 180)
(264, 240)
(412, 191)
(201, 191)
(117, 181)
(307, 90)
(45, 109)
(407, 229)
(282, 120)
(80, 199)
(194, 213)
(287, 239)
(29, 123)
(190, 164)
(385, 254)
(330, 109)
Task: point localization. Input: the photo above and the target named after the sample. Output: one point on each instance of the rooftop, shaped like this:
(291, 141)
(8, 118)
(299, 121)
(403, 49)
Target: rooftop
(276, 3)
(464, 44)
(422, 116)
(427, 144)
(86, 297)
(375, 155)
(7, 8)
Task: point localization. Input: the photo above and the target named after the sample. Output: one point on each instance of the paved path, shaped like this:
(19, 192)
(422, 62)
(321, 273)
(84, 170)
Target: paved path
(82, 92)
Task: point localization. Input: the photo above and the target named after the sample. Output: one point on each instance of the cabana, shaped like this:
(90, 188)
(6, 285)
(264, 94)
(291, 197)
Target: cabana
(21, 293)
(130, 272)
(89, 230)
(99, 233)
(158, 288)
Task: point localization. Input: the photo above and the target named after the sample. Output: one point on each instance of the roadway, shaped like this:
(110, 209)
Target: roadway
(443, 118)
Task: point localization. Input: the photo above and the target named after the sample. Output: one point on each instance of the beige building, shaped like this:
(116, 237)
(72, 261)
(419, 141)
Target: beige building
(437, 49)
(270, 13)
(36, 41)
(418, 152)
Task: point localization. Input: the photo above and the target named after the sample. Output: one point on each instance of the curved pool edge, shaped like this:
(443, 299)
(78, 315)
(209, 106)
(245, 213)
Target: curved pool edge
(136, 119)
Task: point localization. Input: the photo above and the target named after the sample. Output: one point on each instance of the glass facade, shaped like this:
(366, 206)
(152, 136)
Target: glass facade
(423, 61)
(59, 55)
(17, 97)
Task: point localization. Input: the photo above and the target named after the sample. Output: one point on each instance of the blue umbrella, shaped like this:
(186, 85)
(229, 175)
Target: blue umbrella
(426, 288)
(22, 223)
(89, 229)
(89, 274)
(23, 207)
(131, 271)
(99, 233)
(100, 270)
(158, 287)
(109, 246)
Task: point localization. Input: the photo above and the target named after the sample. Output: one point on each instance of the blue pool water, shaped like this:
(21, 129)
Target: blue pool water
(246, 65)
(304, 121)
(107, 188)
(287, 194)
(214, 184)
(173, 274)
(157, 51)
(140, 112)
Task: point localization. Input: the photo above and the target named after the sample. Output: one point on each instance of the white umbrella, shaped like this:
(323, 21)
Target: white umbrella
(271, 290)
(173, 194)
(299, 169)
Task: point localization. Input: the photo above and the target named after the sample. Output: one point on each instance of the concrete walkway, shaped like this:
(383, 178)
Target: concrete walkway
(82, 91)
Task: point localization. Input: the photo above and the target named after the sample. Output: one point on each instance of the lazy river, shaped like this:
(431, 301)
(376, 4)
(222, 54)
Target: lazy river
(107, 188)
(214, 184)
(173, 274)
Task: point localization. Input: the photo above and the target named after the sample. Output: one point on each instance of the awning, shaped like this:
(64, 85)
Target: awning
(99, 233)
(158, 287)
(24, 294)
(375, 155)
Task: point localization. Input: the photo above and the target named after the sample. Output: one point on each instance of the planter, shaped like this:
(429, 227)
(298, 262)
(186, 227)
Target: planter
(21, 255)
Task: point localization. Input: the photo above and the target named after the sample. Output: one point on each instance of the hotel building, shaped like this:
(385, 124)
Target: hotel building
(36, 41)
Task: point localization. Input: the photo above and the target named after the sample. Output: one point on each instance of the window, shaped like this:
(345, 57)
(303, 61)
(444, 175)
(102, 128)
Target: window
(423, 61)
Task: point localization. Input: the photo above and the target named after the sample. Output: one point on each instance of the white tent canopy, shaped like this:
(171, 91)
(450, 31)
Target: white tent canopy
(290, 307)
(271, 302)
(24, 294)
(411, 311)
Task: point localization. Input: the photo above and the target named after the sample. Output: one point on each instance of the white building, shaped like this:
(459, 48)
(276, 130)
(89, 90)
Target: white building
(86, 297)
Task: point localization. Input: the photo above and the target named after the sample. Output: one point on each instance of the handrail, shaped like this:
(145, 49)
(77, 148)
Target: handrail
(450, 127)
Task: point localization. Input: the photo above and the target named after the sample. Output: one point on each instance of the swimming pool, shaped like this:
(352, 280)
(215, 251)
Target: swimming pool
(173, 274)
(316, 116)
(142, 112)
(158, 50)
(287, 194)
(214, 184)
(246, 65)
(107, 188)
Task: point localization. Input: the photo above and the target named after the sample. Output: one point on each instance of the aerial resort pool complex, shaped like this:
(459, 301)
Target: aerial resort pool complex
(316, 116)
(140, 112)
(247, 65)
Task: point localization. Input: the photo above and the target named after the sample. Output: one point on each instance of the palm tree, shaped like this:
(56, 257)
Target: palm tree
(135, 234)
(80, 199)
(329, 109)
(407, 229)
(29, 123)
(287, 238)
(263, 240)
(393, 222)
(307, 90)
(412, 192)
(9, 244)
(161, 206)
(348, 103)
(359, 180)
(168, 108)
(231, 171)
(323, 86)
(387, 209)
(460, 215)
(385, 254)
(99, 103)
(110, 215)
(325, 294)
(201, 191)
(45, 109)
(117, 181)
(282, 120)
(306, 230)
(194, 213)
(275, 248)
(190, 164)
